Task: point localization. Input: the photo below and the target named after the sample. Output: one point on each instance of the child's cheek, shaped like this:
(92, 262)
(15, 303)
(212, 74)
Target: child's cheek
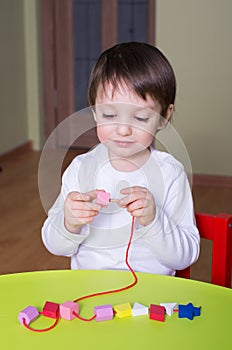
(102, 133)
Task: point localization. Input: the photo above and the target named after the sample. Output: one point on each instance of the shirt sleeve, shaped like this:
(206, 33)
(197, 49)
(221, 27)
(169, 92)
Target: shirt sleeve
(57, 239)
(173, 235)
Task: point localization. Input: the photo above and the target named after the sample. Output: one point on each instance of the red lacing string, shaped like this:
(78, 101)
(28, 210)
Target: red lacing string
(82, 318)
(95, 294)
(113, 290)
(44, 329)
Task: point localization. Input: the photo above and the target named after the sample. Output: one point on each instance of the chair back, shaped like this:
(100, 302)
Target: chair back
(218, 229)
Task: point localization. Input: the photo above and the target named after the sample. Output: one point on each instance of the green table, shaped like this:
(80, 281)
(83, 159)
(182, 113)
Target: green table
(211, 330)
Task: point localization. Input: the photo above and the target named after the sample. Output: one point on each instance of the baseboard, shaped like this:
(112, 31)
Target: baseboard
(21, 149)
(212, 180)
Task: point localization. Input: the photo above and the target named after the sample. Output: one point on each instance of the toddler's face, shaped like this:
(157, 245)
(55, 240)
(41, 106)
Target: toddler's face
(126, 123)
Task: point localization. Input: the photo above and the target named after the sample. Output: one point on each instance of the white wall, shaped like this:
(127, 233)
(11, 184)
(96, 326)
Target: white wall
(196, 38)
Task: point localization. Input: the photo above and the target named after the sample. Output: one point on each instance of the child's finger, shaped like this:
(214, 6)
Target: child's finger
(82, 201)
(77, 196)
(92, 194)
(85, 206)
(84, 213)
(139, 204)
(133, 197)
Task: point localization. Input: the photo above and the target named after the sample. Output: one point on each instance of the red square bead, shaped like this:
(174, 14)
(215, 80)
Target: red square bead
(51, 309)
(157, 312)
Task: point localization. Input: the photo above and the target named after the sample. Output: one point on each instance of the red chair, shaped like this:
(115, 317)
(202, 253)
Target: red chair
(218, 229)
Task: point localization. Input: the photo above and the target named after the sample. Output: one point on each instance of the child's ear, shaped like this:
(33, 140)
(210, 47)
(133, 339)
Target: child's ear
(165, 120)
(169, 112)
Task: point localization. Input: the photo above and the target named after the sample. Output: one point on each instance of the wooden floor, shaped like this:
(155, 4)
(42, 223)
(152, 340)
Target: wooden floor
(22, 216)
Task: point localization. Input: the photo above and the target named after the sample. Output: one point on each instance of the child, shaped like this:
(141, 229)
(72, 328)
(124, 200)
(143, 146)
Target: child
(132, 92)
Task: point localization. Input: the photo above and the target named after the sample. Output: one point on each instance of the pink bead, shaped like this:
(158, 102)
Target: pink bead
(103, 198)
(30, 313)
(67, 309)
(103, 312)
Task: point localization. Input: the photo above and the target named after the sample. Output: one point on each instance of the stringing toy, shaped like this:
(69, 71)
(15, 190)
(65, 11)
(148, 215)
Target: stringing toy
(139, 309)
(188, 311)
(29, 314)
(50, 309)
(103, 312)
(123, 310)
(170, 308)
(70, 309)
(103, 198)
(67, 310)
(157, 312)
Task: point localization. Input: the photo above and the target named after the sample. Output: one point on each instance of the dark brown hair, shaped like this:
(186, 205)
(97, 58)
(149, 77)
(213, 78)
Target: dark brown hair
(140, 66)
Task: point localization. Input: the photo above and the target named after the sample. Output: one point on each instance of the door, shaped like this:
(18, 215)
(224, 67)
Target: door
(74, 32)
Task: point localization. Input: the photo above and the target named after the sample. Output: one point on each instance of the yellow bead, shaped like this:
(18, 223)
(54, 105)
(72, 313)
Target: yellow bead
(123, 310)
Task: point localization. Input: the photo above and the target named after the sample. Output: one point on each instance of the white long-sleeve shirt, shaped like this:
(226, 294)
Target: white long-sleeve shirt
(169, 243)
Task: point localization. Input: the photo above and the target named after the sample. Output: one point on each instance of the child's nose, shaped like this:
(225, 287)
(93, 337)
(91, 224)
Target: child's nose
(124, 129)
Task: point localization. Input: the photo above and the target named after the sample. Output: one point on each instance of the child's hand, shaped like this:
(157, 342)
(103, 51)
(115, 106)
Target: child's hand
(80, 210)
(140, 203)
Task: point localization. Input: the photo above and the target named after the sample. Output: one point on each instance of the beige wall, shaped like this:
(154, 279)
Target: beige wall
(196, 37)
(13, 121)
(20, 101)
(33, 58)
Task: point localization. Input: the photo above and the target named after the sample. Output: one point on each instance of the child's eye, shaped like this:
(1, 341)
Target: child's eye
(108, 115)
(142, 119)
